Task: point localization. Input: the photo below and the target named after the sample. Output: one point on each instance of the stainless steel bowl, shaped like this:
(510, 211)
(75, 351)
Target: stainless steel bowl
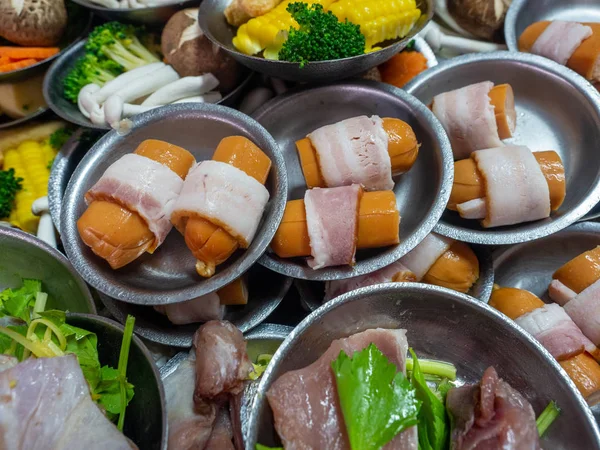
(14, 122)
(53, 89)
(523, 13)
(264, 339)
(215, 27)
(556, 109)
(80, 22)
(312, 292)
(155, 15)
(169, 276)
(442, 325)
(266, 290)
(594, 214)
(25, 256)
(65, 162)
(421, 194)
(146, 416)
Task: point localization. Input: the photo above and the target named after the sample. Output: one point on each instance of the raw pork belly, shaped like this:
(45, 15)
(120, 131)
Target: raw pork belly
(585, 311)
(201, 309)
(560, 39)
(420, 259)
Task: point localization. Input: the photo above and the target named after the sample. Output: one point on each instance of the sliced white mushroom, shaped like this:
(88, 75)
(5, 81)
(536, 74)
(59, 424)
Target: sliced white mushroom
(113, 109)
(182, 88)
(145, 85)
(131, 109)
(86, 100)
(209, 97)
(125, 79)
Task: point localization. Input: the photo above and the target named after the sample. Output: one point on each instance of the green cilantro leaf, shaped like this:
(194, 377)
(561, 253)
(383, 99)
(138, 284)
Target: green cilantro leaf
(18, 302)
(377, 402)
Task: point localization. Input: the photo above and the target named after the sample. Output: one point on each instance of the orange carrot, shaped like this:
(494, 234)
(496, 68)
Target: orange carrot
(402, 68)
(19, 53)
(4, 60)
(17, 65)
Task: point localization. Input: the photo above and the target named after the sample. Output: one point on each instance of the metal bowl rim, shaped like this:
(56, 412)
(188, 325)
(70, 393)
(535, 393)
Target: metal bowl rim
(23, 120)
(94, 7)
(18, 235)
(421, 112)
(278, 198)
(492, 236)
(510, 23)
(357, 295)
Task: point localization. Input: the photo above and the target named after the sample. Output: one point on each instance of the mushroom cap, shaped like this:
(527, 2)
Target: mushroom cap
(482, 18)
(191, 53)
(33, 22)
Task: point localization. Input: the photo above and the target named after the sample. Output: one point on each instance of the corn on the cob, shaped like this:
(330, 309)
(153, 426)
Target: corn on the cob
(30, 161)
(379, 20)
(267, 32)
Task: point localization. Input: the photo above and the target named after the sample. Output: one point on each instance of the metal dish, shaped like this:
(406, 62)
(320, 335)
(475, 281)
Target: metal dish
(523, 13)
(443, 325)
(14, 122)
(264, 339)
(64, 165)
(25, 256)
(266, 290)
(169, 276)
(593, 214)
(312, 292)
(215, 27)
(53, 89)
(146, 418)
(154, 15)
(421, 194)
(572, 129)
(78, 27)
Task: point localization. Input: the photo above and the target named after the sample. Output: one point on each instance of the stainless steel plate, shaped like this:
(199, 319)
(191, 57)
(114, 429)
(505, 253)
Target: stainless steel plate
(80, 21)
(156, 15)
(53, 89)
(556, 110)
(169, 276)
(443, 325)
(146, 416)
(421, 194)
(523, 13)
(22, 255)
(312, 292)
(64, 165)
(213, 23)
(9, 123)
(266, 290)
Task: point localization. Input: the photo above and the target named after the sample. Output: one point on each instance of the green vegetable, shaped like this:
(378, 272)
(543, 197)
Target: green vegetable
(377, 402)
(264, 447)
(261, 365)
(321, 36)
(89, 69)
(19, 302)
(9, 186)
(437, 369)
(120, 43)
(546, 418)
(122, 368)
(433, 427)
(410, 47)
(60, 137)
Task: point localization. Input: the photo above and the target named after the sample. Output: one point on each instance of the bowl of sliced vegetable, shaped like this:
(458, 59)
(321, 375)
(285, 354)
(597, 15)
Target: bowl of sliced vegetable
(336, 39)
(408, 364)
(122, 70)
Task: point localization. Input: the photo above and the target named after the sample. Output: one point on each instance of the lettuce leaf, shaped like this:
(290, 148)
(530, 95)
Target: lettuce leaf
(19, 302)
(377, 402)
(109, 390)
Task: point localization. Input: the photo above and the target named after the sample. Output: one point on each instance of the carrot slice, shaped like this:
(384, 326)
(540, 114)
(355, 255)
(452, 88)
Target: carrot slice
(20, 53)
(402, 68)
(17, 65)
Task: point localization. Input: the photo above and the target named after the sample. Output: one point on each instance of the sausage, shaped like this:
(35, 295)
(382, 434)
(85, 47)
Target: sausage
(580, 272)
(585, 373)
(210, 244)
(514, 302)
(378, 225)
(117, 234)
(235, 293)
(457, 268)
(586, 58)
(468, 182)
(503, 99)
(403, 150)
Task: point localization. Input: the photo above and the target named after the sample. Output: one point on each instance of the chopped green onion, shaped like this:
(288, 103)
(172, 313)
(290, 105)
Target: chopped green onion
(430, 367)
(261, 365)
(122, 368)
(546, 418)
(40, 304)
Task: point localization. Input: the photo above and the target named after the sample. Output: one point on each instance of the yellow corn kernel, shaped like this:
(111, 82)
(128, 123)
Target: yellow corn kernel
(379, 20)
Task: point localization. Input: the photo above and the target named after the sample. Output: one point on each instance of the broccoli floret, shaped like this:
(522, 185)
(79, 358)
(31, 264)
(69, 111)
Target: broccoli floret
(120, 43)
(89, 69)
(9, 186)
(60, 137)
(321, 36)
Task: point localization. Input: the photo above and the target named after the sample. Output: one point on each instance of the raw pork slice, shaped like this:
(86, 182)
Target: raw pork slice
(201, 309)
(225, 196)
(305, 402)
(354, 151)
(392, 273)
(142, 185)
(468, 117)
(221, 437)
(332, 220)
(585, 311)
(46, 405)
(560, 39)
(222, 364)
(560, 293)
(420, 259)
(516, 189)
(491, 415)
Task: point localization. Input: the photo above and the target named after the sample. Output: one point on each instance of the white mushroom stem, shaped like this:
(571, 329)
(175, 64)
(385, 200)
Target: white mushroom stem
(438, 40)
(131, 110)
(123, 80)
(182, 88)
(143, 86)
(113, 109)
(255, 99)
(45, 230)
(86, 100)
(209, 97)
